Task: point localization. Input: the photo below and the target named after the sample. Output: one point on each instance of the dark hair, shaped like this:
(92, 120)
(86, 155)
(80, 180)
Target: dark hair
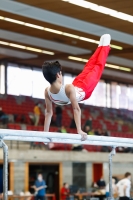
(127, 174)
(39, 173)
(50, 70)
(64, 184)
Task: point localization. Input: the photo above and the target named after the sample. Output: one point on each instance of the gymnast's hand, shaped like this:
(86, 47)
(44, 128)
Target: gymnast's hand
(83, 135)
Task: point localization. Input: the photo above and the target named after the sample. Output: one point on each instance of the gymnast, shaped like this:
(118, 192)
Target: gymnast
(80, 89)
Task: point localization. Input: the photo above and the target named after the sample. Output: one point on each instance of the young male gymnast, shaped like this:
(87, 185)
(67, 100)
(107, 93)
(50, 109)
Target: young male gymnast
(80, 89)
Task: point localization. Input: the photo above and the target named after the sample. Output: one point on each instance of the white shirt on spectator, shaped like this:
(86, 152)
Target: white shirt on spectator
(121, 184)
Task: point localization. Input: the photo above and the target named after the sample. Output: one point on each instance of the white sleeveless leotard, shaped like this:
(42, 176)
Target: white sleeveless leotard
(61, 98)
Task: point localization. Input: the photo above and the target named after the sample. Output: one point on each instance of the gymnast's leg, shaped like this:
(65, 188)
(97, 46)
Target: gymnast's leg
(90, 76)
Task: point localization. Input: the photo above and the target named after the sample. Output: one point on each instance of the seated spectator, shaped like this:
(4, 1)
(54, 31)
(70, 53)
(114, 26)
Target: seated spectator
(63, 129)
(3, 117)
(37, 113)
(98, 132)
(89, 122)
(65, 192)
(72, 123)
(94, 187)
(91, 132)
(105, 132)
(101, 183)
(86, 129)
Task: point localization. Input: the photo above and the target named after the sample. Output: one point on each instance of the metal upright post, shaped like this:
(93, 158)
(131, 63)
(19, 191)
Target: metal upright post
(5, 170)
(112, 153)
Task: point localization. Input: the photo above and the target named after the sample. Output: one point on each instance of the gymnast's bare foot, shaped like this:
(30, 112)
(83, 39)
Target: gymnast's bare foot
(83, 135)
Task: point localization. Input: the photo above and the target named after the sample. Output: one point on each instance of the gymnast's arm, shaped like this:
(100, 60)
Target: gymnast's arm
(49, 111)
(70, 91)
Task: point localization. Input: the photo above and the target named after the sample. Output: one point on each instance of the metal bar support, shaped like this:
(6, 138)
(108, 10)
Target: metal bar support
(112, 153)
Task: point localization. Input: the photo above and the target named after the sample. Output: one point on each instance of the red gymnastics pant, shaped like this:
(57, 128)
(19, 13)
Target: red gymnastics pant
(91, 74)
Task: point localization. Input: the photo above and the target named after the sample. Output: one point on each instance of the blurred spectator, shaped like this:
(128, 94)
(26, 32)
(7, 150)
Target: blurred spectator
(114, 188)
(63, 129)
(98, 132)
(3, 117)
(101, 183)
(94, 186)
(91, 132)
(105, 133)
(65, 192)
(87, 129)
(89, 122)
(72, 123)
(39, 187)
(37, 113)
(101, 188)
(58, 112)
(124, 187)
